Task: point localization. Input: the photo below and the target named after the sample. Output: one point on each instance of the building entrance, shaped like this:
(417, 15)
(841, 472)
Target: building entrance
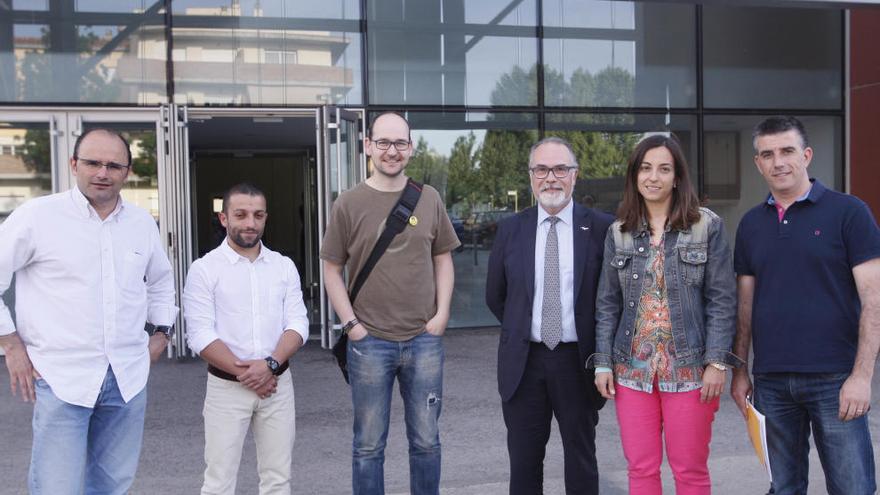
(276, 154)
(183, 161)
(302, 159)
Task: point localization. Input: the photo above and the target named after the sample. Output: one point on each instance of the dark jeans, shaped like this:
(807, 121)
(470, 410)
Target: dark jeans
(553, 384)
(795, 404)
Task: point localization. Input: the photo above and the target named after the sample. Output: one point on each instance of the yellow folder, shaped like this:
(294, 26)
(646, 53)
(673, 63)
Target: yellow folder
(757, 425)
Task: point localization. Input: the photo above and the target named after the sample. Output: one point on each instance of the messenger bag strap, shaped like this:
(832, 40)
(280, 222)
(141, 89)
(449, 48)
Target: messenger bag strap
(396, 222)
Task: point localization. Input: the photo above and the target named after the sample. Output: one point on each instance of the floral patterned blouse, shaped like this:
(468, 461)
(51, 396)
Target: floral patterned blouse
(653, 349)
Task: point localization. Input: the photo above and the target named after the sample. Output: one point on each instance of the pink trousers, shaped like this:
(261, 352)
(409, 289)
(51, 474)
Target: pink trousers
(687, 424)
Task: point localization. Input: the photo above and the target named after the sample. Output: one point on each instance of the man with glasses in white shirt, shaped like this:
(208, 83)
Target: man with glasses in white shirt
(89, 272)
(245, 316)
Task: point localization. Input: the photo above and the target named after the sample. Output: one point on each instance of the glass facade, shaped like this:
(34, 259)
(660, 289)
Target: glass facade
(479, 80)
(479, 163)
(781, 58)
(232, 52)
(452, 52)
(619, 54)
(88, 51)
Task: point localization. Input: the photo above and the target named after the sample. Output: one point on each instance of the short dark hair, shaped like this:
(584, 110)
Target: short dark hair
(778, 125)
(685, 207)
(111, 132)
(241, 188)
(377, 117)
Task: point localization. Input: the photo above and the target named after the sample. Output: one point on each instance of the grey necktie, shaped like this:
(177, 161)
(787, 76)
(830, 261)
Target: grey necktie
(551, 310)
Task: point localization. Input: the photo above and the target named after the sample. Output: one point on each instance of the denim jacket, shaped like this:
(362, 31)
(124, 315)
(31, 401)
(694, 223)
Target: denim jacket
(701, 292)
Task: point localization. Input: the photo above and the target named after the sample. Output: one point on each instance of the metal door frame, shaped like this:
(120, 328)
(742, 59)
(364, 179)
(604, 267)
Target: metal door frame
(329, 134)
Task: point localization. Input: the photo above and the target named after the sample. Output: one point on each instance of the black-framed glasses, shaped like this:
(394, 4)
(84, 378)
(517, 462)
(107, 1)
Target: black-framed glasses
(399, 145)
(559, 171)
(97, 164)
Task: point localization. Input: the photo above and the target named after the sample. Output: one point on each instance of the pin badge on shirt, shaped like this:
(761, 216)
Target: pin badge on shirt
(584, 228)
(413, 221)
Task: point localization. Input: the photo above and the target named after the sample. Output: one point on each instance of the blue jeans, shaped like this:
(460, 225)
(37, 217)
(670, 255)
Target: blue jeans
(795, 403)
(86, 450)
(373, 364)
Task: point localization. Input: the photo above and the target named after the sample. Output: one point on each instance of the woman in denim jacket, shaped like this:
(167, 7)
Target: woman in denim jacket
(666, 314)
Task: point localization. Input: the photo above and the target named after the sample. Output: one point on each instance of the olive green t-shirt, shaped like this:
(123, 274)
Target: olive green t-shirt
(398, 298)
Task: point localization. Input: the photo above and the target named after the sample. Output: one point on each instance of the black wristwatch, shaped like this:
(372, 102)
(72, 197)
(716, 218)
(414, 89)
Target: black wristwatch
(273, 365)
(167, 331)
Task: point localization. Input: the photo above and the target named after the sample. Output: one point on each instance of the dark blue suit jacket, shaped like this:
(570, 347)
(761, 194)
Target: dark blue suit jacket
(510, 289)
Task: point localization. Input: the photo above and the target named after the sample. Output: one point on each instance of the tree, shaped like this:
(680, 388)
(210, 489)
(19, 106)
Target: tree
(463, 171)
(37, 151)
(427, 166)
(144, 164)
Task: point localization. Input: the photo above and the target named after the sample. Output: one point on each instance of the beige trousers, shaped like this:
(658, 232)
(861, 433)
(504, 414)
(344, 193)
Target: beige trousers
(230, 409)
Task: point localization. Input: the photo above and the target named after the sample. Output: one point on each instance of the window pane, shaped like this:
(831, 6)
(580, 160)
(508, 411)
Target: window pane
(112, 5)
(619, 54)
(448, 53)
(325, 9)
(142, 185)
(266, 53)
(30, 4)
(100, 57)
(603, 143)
(734, 185)
(25, 172)
(478, 162)
(758, 57)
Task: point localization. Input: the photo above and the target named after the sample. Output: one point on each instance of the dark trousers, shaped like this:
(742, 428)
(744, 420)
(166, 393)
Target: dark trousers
(553, 384)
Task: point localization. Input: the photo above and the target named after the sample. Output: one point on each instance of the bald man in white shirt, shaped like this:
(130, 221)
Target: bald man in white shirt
(89, 271)
(245, 316)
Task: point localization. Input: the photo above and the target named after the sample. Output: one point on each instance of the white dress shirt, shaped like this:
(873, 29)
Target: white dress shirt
(246, 305)
(565, 235)
(84, 287)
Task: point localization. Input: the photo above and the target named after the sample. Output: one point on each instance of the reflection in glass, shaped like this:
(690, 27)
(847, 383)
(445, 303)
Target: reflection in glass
(91, 62)
(127, 6)
(325, 9)
(479, 164)
(25, 172)
(619, 54)
(453, 55)
(25, 164)
(601, 14)
(734, 185)
(265, 58)
(761, 57)
(30, 4)
(142, 185)
(603, 143)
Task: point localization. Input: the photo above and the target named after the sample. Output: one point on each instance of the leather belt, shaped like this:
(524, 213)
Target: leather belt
(229, 376)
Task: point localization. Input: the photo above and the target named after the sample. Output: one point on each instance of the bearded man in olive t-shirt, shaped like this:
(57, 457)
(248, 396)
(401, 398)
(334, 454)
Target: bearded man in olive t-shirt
(396, 323)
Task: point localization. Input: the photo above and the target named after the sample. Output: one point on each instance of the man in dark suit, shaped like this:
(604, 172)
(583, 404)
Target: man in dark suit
(541, 284)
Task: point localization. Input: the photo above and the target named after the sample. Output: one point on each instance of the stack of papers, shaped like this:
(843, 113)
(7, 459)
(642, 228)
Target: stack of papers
(757, 425)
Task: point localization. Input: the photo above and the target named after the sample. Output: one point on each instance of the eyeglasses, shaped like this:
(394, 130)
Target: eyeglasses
(559, 171)
(384, 144)
(96, 165)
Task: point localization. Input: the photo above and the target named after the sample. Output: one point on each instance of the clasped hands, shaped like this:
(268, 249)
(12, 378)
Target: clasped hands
(257, 377)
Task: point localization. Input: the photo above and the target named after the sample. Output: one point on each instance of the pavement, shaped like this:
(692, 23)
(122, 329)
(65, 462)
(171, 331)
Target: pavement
(472, 433)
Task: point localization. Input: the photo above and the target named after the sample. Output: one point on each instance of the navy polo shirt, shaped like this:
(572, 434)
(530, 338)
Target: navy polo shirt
(805, 312)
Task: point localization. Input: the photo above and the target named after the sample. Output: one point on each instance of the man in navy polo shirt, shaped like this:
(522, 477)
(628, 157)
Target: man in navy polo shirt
(808, 276)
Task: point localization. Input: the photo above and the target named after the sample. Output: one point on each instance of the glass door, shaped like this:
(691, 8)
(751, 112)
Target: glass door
(154, 181)
(29, 165)
(342, 166)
